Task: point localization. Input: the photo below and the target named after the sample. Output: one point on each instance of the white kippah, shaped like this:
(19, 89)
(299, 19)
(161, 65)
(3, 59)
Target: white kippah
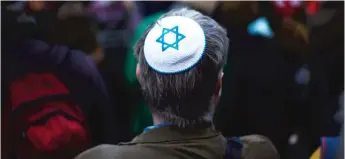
(174, 44)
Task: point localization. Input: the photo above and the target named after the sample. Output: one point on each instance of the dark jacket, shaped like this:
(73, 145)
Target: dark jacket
(75, 70)
(178, 143)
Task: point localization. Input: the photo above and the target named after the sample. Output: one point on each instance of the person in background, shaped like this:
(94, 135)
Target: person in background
(180, 62)
(51, 127)
(35, 18)
(76, 29)
(117, 21)
(327, 75)
(326, 64)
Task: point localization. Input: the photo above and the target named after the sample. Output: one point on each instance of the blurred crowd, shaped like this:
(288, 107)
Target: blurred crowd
(287, 86)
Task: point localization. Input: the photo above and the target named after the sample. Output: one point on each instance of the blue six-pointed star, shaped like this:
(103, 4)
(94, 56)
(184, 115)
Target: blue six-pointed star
(166, 45)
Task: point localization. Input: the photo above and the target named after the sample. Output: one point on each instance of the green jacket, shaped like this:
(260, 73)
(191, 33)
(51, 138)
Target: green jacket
(176, 143)
(164, 143)
(141, 117)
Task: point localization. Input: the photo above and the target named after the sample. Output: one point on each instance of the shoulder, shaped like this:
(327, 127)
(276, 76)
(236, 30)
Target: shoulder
(106, 151)
(98, 152)
(79, 63)
(258, 147)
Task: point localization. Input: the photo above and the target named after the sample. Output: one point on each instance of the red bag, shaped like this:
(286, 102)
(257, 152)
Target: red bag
(43, 121)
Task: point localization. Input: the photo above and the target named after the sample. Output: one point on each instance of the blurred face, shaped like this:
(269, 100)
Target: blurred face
(71, 9)
(36, 5)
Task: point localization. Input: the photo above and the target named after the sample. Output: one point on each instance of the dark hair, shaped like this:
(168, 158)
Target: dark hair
(77, 32)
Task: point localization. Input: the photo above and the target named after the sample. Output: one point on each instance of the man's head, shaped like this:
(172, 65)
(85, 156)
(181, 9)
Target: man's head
(184, 89)
(77, 30)
(79, 33)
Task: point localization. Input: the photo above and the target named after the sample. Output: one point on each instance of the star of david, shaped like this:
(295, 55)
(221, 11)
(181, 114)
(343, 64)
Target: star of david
(174, 45)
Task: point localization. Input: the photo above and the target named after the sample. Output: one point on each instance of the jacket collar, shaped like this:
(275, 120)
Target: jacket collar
(170, 133)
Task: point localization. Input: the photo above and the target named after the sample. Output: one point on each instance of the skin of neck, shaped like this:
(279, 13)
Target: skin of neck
(156, 119)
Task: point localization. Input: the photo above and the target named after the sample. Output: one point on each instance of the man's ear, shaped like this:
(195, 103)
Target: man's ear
(219, 84)
(137, 71)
